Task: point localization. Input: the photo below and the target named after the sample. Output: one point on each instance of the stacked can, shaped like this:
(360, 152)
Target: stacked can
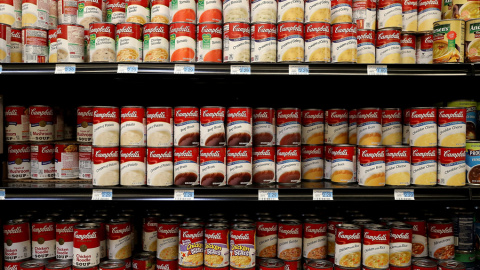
(263, 152)
(312, 144)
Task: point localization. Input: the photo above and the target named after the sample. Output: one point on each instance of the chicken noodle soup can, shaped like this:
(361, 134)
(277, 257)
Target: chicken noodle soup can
(86, 245)
(186, 165)
(182, 42)
(440, 239)
(400, 244)
(376, 246)
(343, 164)
(263, 42)
(365, 46)
(132, 126)
(312, 162)
(17, 240)
(43, 239)
(317, 42)
(290, 41)
(216, 249)
(106, 126)
(102, 42)
(288, 164)
(452, 126)
(242, 245)
(239, 165)
(344, 43)
(64, 229)
(371, 165)
(34, 45)
(209, 42)
(159, 166)
(159, 126)
(423, 126)
(133, 166)
(129, 45)
(138, 11)
(397, 165)
(388, 48)
(106, 166)
(448, 41)
(212, 166)
(348, 247)
(451, 166)
(160, 11)
(236, 42)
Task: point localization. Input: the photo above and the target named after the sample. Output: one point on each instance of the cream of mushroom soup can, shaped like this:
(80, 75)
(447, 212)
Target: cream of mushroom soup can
(317, 42)
(85, 161)
(106, 126)
(84, 123)
(129, 44)
(41, 118)
(18, 161)
(102, 42)
(42, 160)
(133, 168)
(132, 126)
(16, 123)
(159, 126)
(344, 43)
(159, 166)
(115, 10)
(156, 42)
(290, 41)
(89, 11)
(263, 42)
(236, 42)
(106, 166)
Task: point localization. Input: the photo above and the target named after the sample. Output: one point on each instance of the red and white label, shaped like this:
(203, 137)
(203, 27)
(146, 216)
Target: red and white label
(183, 47)
(423, 126)
(159, 166)
(41, 123)
(419, 238)
(236, 42)
(452, 127)
(132, 126)
(239, 166)
(239, 126)
(451, 166)
(119, 237)
(156, 42)
(369, 126)
(212, 126)
(242, 243)
(18, 161)
(167, 241)
(313, 126)
(288, 164)
(391, 126)
(263, 164)
(397, 165)
(263, 42)
(84, 124)
(267, 238)
(343, 164)
(290, 41)
(428, 11)
(312, 162)
(424, 165)
(376, 244)
(344, 43)
(106, 166)
(129, 42)
(213, 166)
(186, 165)
(64, 240)
(149, 233)
(186, 126)
(264, 126)
(388, 10)
(16, 123)
(209, 42)
(315, 240)
(289, 127)
(190, 246)
(216, 246)
(159, 126)
(348, 243)
(289, 241)
(102, 47)
(133, 166)
(86, 247)
(66, 161)
(106, 126)
(440, 240)
(42, 162)
(117, 10)
(388, 48)
(16, 241)
(400, 244)
(424, 48)
(371, 165)
(336, 129)
(317, 41)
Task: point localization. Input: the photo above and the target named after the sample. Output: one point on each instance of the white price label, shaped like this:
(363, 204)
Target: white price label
(323, 195)
(65, 69)
(240, 70)
(102, 194)
(377, 70)
(184, 69)
(267, 195)
(404, 194)
(298, 70)
(184, 194)
(127, 68)
(2, 194)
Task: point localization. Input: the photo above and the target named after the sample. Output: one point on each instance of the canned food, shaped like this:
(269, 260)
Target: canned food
(263, 42)
(209, 42)
(115, 10)
(58, 265)
(89, 11)
(288, 126)
(452, 126)
(209, 11)
(424, 166)
(471, 112)
(365, 47)
(343, 164)
(391, 126)
(266, 237)
(389, 14)
(464, 10)
(236, 42)
(314, 239)
(143, 260)
(183, 11)
(34, 45)
(182, 42)
(440, 239)
(41, 118)
(336, 129)
(376, 246)
(448, 41)
(102, 42)
(106, 126)
(133, 166)
(371, 165)
(42, 161)
(86, 245)
(313, 126)
(341, 11)
(18, 161)
(43, 239)
(216, 250)
(344, 43)
(5, 42)
(348, 235)
(159, 166)
(388, 48)
(17, 241)
(186, 126)
(85, 161)
(239, 126)
(423, 126)
(472, 162)
(290, 235)
(132, 126)
(16, 49)
(212, 126)
(70, 43)
(138, 11)
(428, 13)
(288, 164)
(369, 126)
(472, 43)
(397, 165)
(159, 126)
(312, 162)
(236, 11)
(84, 124)
(424, 264)
(112, 265)
(352, 122)
(106, 166)
(66, 160)
(191, 248)
(451, 166)
(149, 235)
(419, 238)
(119, 237)
(11, 14)
(186, 165)
(451, 264)
(242, 243)
(263, 164)
(408, 43)
(263, 126)
(64, 238)
(160, 11)
(35, 14)
(290, 41)
(167, 240)
(129, 43)
(239, 165)
(400, 244)
(33, 264)
(364, 14)
(424, 48)
(212, 166)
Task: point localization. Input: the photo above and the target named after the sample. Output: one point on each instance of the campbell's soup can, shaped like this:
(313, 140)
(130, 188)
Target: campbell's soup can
(313, 126)
(41, 119)
(167, 240)
(149, 233)
(344, 43)
(159, 166)
(236, 11)
(85, 161)
(115, 10)
(336, 128)
(263, 42)
(388, 48)
(419, 238)
(159, 126)
(102, 42)
(119, 237)
(186, 165)
(70, 43)
(448, 41)
(106, 126)
(191, 244)
(366, 46)
(341, 11)
(364, 14)
(409, 16)
(267, 237)
(133, 166)
(471, 112)
(288, 126)
(35, 14)
(263, 126)
(67, 11)
(423, 126)
(452, 126)
(183, 11)
(112, 265)
(16, 123)
(369, 126)
(451, 166)
(18, 161)
(33, 264)
(312, 166)
(160, 11)
(317, 42)
(213, 166)
(376, 246)
(317, 11)
(424, 48)
(239, 165)
(89, 11)
(64, 238)
(186, 120)
(371, 165)
(86, 245)
(400, 244)
(5, 42)
(132, 126)
(43, 239)
(424, 165)
(290, 236)
(453, 264)
(138, 11)
(389, 14)
(84, 123)
(182, 42)
(167, 264)
(16, 239)
(16, 47)
(263, 164)
(428, 12)
(352, 126)
(397, 165)
(332, 222)
(58, 265)
(472, 161)
(291, 11)
(10, 13)
(314, 239)
(209, 11)
(290, 42)
(263, 11)
(242, 245)
(392, 126)
(42, 160)
(343, 164)
(209, 42)
(239, 126)
(424, 264)
(106, 166)
(408, 43)
(348, 245)
(34, 45)
(288, 164)
(216, 249)
(212, 126)
(440, 239)
(236, 42)
(129, 43)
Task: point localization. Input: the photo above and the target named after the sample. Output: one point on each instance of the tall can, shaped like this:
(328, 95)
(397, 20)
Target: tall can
(209, 43)
(42, 160)
(344, 43)
(17, 240)
(133, 166)
(472, 161)
(401, 244)
(409, 16)
(343, 168)
(369, 126)
(106, 126)
(312, 162)
(66, 160)
(18, 161)
(138, 11)
(263, 164)
(159, 166)
(183, 11)
(424, 166)
(267, 237)
(332, 222)
(16, 123)
(440, 239)
(106, 166)
(336, 128)
(186, 165)
(263, 42)
(263, 126)
(167, 239)
(182, 42)
(391, 126)
(236, 42)
(451, 166)
(85, 161)
(35, 14)
(70, 43)
(314, 239)
(471, 118)
(239, 126)
(290, 41)
(213, 166)
(41, 118)
(423, 126)
(86, 245)
(452, 126)
(115, 10)
(288, 165)
(132, 126)
(348, 247)
(365, 14)
(159, 126)
(290, 236)
(186, 121)
(424, 48)
(471, 40)
(216, 249)
(119, 237)
(397, 165)
(191, 244)
(149, 233)
(376, 246)
(352, 120)
(288, 126)
(239, 165)
(313, 126)
(64, 229)
(366, 46)
(212, 126)
(5, 42)
(34, 45)
(242, 245)
(129, 44)
(160, 11)
(371, 165)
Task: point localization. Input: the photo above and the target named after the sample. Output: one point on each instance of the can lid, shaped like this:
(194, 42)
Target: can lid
(272, 262)
(425, 262)
(452, 264)
(320, 264)
(87, 226)
(112, 264)
(59, 264)
(32, 263)
(144, 255)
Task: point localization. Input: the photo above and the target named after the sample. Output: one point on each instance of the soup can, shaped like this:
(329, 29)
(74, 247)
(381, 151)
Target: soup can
(448, 41)
(472, 51)
(182, 42)
(344, 43)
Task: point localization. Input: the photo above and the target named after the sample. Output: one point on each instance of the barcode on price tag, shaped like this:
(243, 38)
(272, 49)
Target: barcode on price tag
(377, 70)
(323, 195)
(298, 70)
(2, 194)
(404, 194)
(267, 195)
(240, 70)
(127, 68)
(184, 194)
(184, 69)
(65, 69)
(102, 194)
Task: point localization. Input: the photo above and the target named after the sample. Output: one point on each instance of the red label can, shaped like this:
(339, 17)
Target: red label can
(423, 126)
(33, 265)
(43, 239)
(314, 239)
(156, 40)
(344, 42)
(239, 126)
(313, 126)
(388, 48)
(236, 42)
(419, 238)
(212, 126)
(424, 48)
(371, 165)
(288, 164)
(376, 246)
(167, 264)
(209, 42)
(16, 239)
(159, 126)
(18, 161)
(84, 123)
(132, 126)
(106, 126)
(129, 42)
(186, 165)
(343, 168)
(424, 166)
(451, 166)
(182, 42)
(336, 129)
(16, 123)
(391, 126)
(167, 240)
(34, 45)
(424, 264)
(86, 245)
(267, 237)
(365, 45)
(352, 126)
(290, 42)
(312, 162)
(106, 166)
(263, 126)
(212, 166)
(42, 160)
(271, 264)
(186, 126)
(452, 126)
(369, 126)
(159, 166)
(288, 126)
(317, 42)
(263, 42)
(64, 238)
(143, 261)
(119, 237)
(400, 244)
(149, 233)
(263, 167)
(242, 245)
(397, 165)
(41, 123)
(102, 45)
(216, 245)
(348, 245)
(112, 265)
(239, 165)
(290, 235)
(133, 166)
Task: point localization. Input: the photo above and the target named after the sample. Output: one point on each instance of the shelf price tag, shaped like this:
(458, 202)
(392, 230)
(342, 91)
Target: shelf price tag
(377, 70)
(323, 195)
(404, 195)
(240, 70)
(184, 194)
(65, 69)
(184, 69)
(102, 195)
(298, 70)
(1, 69)
(267, 195)
(127, 68)
(2, 194)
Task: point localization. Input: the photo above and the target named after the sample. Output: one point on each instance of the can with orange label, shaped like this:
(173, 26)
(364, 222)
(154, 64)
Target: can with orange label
(182, 42)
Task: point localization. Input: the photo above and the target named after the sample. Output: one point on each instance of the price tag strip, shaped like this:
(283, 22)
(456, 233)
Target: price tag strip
(127, 68)
(184, 69)
(377, 70)
(2, 194)
(298, 70)
(184, 194)
(102, 195)
(404, 194)
(323, 195)
(65, 69)
(240, 70)
(268, 195)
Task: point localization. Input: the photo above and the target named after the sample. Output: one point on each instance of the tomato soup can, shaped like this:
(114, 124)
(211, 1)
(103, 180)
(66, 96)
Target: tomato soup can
(182, 42)
(209, 42)
(209, 11)
(183, 11)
